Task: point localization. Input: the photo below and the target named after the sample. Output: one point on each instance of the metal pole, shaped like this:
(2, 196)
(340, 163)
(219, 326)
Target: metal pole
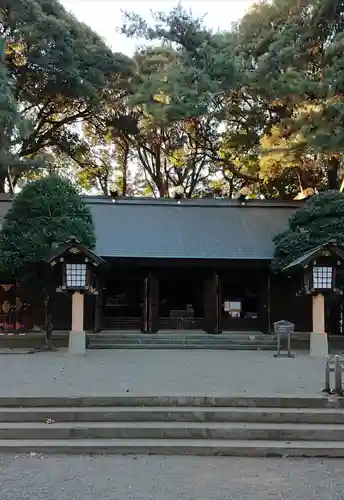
(337, 375)
(278, 344)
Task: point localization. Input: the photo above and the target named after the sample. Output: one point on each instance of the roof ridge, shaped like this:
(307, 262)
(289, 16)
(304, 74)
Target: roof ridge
(201, 202)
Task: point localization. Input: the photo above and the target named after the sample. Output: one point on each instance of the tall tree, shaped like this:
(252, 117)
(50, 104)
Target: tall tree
(179, 98)
(11, 127)
(61, 74)
(8, 115)
(295, 51)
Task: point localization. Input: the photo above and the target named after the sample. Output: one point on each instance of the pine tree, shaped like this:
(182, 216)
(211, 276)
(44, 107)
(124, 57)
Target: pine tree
(9, 118)
(319, 220)
(46, 213)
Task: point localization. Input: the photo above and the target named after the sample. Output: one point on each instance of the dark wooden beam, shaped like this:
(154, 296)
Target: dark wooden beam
(153, 307)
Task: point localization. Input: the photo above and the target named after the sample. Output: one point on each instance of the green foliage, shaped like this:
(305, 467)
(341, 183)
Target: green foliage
(9, 120)
(257, 107)
(178, 99)
(45, 213)
(62, 75)
(318, 220)
(295, 48)
(193, 66)
(9, 116)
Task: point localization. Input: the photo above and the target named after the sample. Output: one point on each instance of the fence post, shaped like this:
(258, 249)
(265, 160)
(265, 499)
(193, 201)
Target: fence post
(289, 345)
(278, 344)
(337, 375)
(327, 388)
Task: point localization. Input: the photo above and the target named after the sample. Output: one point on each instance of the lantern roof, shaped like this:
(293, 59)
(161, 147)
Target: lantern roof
(316, 252)
(73, 246)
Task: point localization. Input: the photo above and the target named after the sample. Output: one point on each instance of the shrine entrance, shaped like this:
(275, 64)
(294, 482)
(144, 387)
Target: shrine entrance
(181, 303)
(122, 303)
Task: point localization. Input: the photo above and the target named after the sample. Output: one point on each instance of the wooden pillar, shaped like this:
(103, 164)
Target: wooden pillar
(145, 306)
(318, 340)
(319, 313)
(269, 303)
(212, 317)
(153, 303)
(264, 312)
(98, 312)
(77, 337)
(99, 305)
(77, 312)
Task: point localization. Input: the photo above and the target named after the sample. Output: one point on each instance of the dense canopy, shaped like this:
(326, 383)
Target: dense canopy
(257, 109)
(46, 213)
(318, 221)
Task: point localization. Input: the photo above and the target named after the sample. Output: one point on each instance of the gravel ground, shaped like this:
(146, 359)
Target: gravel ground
(159, 372)
(168, 478)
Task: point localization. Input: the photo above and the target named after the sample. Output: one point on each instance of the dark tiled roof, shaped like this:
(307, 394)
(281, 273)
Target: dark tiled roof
(306, 258)
(63, 249)
(189, 229)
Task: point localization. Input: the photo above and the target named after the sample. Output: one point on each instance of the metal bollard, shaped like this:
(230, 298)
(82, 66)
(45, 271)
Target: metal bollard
(338, 375)
(327, 387)
(278, 344)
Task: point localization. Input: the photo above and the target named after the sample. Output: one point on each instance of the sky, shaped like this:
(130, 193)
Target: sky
(104, 16)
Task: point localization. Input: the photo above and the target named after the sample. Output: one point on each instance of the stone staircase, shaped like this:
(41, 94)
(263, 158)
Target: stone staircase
(182, 340)
(237, 426)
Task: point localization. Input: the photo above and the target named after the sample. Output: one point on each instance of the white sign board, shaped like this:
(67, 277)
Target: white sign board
(235, 306)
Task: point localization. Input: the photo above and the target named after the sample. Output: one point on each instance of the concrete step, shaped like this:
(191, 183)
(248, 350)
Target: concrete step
(219, 341)
(184, 337)
(171, 339)
(183, 340)
(232, 347)
(172, 430)
(180, 345)
(207, 403)
(174, 414)
(181, 333)
(194, 425)
(204, 447)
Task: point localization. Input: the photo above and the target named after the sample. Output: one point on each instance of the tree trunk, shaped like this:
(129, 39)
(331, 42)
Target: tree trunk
(2, 183)
(125, 169)
(3, 154)
(163, 189)
(332, 173)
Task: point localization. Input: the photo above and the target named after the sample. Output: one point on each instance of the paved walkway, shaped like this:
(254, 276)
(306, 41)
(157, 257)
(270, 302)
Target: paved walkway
(169, 478)
(159, 372)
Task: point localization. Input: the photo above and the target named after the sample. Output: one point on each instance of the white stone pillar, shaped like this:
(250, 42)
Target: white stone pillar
(77, 336)
(318, 340)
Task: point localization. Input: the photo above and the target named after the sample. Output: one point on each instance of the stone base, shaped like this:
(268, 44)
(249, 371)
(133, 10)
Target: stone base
(77, 343)
(318, 345)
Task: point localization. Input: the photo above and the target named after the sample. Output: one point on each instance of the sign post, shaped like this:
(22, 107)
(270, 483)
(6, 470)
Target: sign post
(284, 329)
